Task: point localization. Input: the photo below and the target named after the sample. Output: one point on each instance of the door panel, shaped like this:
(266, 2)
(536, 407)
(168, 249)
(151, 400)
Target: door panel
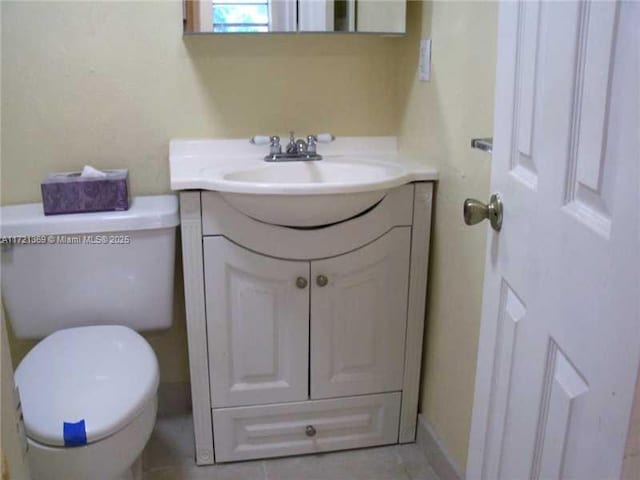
(358, 319)
(258, 323)
(560, 335)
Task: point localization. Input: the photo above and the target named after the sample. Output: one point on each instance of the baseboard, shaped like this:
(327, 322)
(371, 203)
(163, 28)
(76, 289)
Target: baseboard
(439, 459)
(174, 398)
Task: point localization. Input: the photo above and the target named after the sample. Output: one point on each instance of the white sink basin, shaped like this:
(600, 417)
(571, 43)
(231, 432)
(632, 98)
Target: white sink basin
(300, 175)
(355, 174)
(308, 193)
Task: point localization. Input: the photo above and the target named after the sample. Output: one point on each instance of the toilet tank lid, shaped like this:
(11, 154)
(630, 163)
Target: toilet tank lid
(145, 213)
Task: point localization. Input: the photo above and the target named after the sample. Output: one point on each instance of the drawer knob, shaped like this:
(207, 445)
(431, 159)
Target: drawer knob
(321, 280)
(301, 282)
(310, 431)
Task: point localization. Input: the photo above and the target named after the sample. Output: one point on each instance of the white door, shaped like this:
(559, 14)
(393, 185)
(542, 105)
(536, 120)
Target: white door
(560, 335)
(359, 317)
(258, 324)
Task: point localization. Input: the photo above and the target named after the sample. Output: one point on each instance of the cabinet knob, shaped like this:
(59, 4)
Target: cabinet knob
(321, 280)
(301, 282)
(310, 431)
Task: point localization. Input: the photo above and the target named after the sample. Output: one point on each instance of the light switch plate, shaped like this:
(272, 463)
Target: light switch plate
(424, 65)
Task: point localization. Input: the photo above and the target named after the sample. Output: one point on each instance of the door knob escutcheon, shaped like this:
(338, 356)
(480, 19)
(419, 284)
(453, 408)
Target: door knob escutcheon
(475, 211)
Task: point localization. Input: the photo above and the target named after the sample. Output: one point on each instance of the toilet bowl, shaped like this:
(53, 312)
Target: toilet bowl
(89, 399)
(116, 457)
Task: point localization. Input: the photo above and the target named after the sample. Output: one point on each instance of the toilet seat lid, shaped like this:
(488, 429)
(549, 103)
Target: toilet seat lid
(100, 375)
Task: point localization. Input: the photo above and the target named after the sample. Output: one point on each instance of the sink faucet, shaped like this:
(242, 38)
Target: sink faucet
(295, 150)
(292, 147)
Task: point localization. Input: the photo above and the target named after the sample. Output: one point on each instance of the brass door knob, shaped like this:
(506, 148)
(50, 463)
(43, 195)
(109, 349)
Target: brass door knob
(321, 280)
(475, 211)
(301, 282)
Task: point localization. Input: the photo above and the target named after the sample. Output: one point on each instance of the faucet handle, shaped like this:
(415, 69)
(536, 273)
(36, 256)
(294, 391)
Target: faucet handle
(260, 140)
(311, 144)
(274, 145)
(312, 140)
(273, 142)
(325, 138)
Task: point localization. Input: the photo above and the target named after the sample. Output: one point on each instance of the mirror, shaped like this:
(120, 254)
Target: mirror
(306, 16)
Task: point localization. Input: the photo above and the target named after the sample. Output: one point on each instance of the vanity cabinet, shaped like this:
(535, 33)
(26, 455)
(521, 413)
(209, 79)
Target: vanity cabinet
(304, 340)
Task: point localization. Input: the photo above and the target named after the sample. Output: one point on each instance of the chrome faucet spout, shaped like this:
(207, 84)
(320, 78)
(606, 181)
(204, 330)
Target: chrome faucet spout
(291, 146)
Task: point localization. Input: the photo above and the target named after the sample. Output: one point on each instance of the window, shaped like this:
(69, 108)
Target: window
(240, 16)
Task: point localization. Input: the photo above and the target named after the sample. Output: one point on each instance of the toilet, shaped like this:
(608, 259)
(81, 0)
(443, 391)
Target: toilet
(86, 284)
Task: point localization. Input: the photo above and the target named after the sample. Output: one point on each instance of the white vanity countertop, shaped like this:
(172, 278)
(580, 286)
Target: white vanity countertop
(212, 164)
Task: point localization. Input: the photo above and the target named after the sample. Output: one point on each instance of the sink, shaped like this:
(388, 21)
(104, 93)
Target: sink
(353, 176)
(307, 193)
(299, 175)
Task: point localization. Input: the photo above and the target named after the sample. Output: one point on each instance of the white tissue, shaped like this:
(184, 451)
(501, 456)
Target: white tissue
(89, 171)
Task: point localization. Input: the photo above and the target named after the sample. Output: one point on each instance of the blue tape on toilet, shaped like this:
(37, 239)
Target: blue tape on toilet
(74, 434)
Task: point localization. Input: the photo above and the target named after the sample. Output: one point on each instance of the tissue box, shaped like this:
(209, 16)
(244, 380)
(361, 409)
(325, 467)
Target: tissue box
(70, 193)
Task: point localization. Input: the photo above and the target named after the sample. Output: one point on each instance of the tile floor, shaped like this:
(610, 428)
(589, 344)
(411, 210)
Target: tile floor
(169, 456)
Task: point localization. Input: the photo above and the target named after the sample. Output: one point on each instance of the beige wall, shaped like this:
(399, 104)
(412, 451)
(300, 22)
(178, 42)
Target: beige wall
(110, 83)
(438, 119)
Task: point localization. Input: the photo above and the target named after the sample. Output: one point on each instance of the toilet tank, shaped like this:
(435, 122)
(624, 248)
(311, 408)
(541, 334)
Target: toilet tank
(106, 268)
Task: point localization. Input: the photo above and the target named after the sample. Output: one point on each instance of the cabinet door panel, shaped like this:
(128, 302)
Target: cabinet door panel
(358, 319)
(258, 326)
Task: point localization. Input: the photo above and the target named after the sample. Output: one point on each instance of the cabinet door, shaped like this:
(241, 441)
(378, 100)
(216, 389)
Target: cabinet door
(257, 325)
(358, 318)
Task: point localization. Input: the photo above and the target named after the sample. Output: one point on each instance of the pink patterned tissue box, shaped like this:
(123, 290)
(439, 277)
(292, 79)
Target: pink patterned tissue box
(70, 193)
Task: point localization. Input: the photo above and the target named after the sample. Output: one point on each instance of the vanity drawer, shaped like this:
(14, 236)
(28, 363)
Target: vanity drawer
(244, 433)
